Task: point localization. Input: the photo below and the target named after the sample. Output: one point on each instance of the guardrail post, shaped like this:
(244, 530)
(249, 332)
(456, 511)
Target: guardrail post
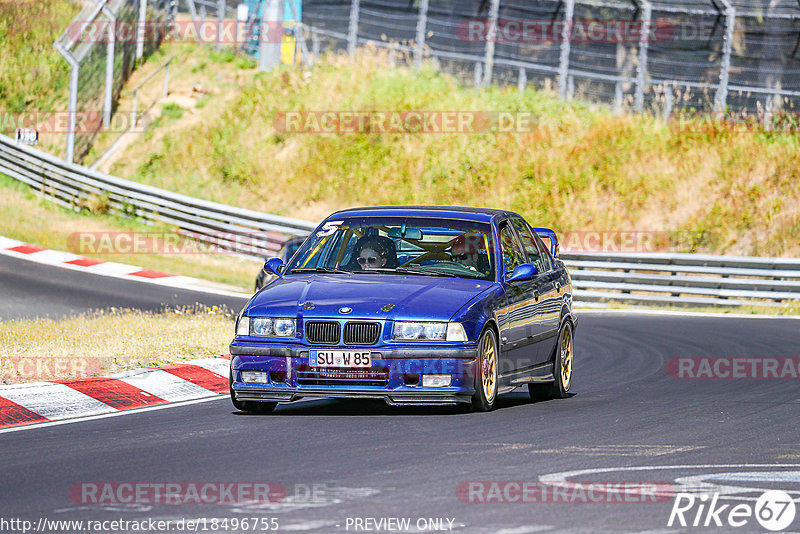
(422, 27)
(618, 97)
(522, 80)
(478, 77)
(667, 102)
(641, 67)
(352, 34)
(566, 37)
(491, 40)
(721, 98)
(315, 45)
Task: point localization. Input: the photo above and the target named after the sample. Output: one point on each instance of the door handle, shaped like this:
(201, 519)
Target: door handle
(536, 294)
(558, 287)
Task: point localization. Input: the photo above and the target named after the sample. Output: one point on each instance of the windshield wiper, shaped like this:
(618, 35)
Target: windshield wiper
(427, 272)
(320, 270)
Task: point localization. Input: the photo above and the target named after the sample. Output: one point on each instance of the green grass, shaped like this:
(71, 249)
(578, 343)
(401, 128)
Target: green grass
(33, 75)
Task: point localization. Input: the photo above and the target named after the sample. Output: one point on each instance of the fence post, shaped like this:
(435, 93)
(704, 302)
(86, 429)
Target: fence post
(522, 81)
(422, 28)
(315, 45)
(110, 51)
(269, 53)
(220, 21)
(721, 98)
(478, 75)
(618, 95)
(491, 39)
(641, 68)
(140, 29)
(166, 79)
(74, 70)
(300, 37)
(563, 60)
(352, 34)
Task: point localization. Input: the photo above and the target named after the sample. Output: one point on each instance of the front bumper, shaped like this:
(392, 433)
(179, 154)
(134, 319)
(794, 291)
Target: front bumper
(395, 375)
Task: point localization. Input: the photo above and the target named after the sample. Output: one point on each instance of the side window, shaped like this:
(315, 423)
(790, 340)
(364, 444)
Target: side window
(546, 257)
(512, 254)
(531, 246)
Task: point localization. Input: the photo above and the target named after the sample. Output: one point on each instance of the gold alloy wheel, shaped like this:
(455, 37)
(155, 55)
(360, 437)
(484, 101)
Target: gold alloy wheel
(566, 357)
(488, 363)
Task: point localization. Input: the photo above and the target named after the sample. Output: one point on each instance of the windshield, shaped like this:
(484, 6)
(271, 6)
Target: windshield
(402, 245)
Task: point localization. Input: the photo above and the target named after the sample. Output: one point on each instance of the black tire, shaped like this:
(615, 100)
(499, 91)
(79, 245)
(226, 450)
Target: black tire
(250, 406)
(562, 369)
(485, 395)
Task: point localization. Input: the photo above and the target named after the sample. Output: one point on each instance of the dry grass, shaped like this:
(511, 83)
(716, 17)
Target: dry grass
(25, 217)
(105, 342)
(712, 187)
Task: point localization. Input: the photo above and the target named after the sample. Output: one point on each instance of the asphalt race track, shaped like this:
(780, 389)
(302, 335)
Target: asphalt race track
(31, 289)
(343, 464)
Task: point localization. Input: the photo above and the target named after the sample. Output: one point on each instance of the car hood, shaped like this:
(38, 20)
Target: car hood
(373, 296)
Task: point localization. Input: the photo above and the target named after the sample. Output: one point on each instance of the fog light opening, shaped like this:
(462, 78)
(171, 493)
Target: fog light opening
(436, 381)
(277, 376)
(254, 377)
(411, 380)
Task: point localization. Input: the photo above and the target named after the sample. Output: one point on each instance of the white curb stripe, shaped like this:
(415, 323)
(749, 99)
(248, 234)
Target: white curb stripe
(215, 365)
(54, 401)
(167, 386)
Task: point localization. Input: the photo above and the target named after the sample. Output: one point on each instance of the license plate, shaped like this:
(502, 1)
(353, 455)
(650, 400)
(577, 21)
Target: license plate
(339, 358)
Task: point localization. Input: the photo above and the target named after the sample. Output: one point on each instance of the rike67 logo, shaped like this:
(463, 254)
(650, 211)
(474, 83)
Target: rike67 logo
(774, 510)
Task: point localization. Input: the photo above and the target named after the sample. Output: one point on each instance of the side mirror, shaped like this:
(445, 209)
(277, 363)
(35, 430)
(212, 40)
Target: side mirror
(274, 266)
(522, 273)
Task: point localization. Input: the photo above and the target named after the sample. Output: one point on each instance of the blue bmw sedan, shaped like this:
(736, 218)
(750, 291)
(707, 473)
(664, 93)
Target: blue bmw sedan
(413, 305)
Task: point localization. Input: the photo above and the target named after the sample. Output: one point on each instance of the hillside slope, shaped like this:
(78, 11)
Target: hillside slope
(710, 187)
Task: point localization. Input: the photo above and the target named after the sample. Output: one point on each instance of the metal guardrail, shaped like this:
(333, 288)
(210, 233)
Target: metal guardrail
(679, 279)
(246, 232)
(683, 279)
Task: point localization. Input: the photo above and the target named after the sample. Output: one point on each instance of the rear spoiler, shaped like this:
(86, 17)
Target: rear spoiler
(547, 233)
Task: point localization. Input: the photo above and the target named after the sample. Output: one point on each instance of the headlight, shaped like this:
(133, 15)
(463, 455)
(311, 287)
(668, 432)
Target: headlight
(261, 326)
(427, 331)
(265, 326)
(284, 327)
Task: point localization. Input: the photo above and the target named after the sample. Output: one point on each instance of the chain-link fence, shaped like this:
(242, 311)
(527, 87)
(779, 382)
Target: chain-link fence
(102, 45)
(731, 55)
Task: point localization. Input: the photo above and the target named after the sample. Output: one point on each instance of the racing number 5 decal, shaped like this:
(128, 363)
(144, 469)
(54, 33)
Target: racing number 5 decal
(329, 228)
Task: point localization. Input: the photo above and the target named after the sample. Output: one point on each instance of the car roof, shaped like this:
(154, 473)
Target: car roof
(446, 212)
